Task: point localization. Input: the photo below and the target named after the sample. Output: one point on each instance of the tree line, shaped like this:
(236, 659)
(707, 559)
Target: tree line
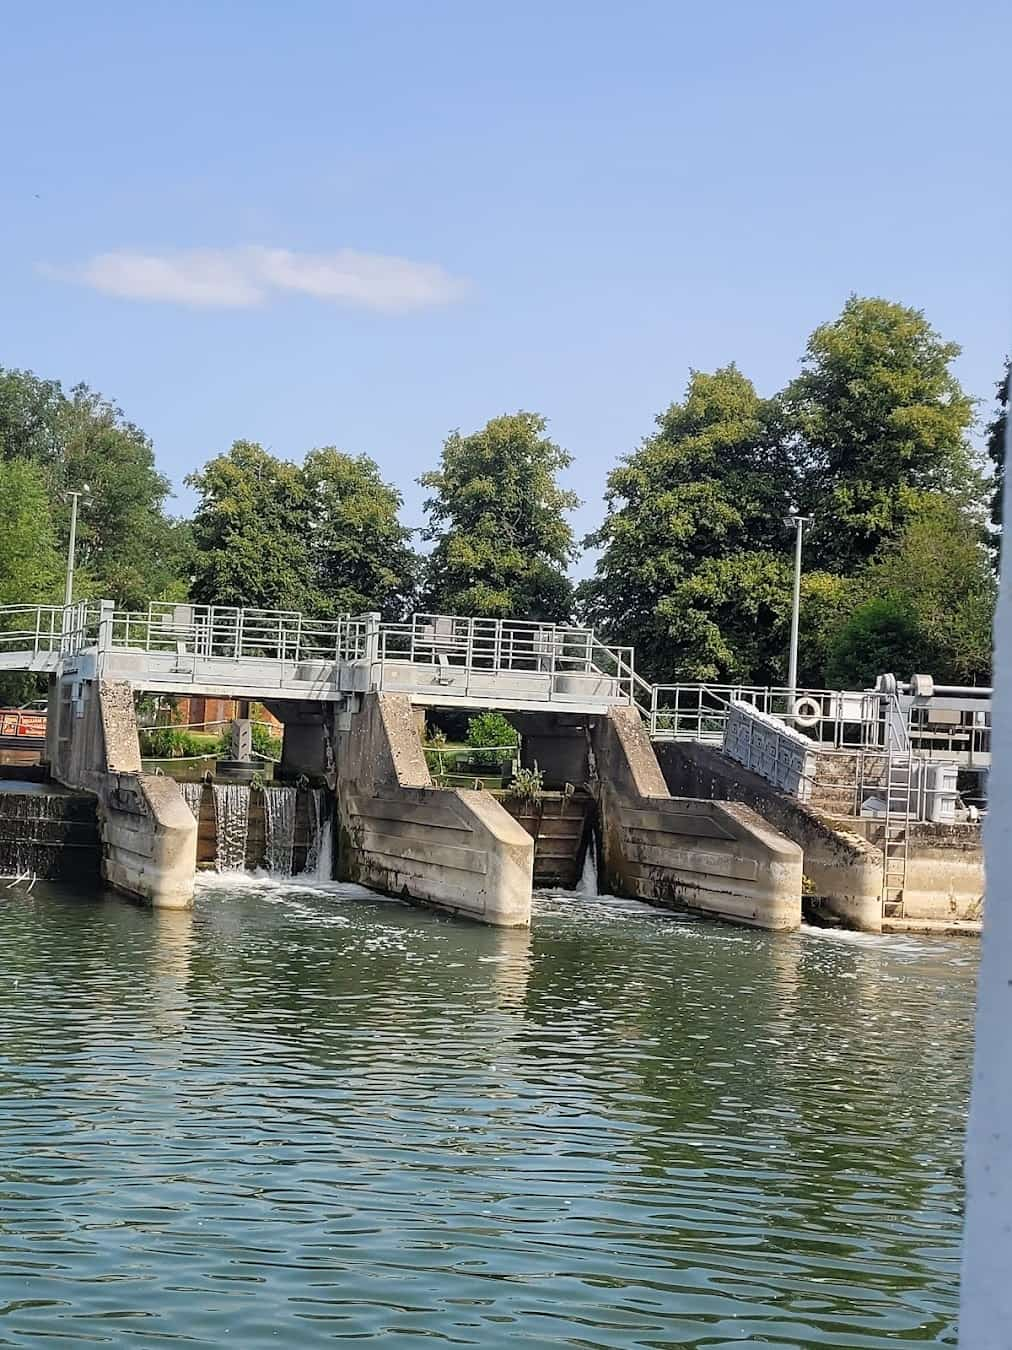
(692, 559)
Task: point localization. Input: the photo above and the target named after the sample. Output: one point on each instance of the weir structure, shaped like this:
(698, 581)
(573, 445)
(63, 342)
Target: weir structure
(351, 691)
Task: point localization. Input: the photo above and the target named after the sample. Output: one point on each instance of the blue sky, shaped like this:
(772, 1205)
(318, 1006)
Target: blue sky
(365, 224)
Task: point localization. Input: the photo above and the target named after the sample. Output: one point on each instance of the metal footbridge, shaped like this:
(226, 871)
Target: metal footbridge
(437, 659)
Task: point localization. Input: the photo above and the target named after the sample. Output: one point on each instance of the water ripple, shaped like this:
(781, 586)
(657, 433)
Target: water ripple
(303, 1115)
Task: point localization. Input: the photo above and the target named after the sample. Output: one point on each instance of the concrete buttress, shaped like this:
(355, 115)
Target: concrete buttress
(454, 849)
(149, 835)
(719, 858)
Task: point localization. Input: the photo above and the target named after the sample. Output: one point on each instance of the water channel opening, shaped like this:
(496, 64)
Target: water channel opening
(588, 877)
(280, 830)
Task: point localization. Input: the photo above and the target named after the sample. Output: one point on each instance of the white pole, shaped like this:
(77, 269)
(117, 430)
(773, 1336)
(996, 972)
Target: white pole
(799, 523)
(985, 1321)
(68, 592)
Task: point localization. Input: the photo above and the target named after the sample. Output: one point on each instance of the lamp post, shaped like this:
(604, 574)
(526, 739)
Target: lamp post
(68, 591)
(799, 523)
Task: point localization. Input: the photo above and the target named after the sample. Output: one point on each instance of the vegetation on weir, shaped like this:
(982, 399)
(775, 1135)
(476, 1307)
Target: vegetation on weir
(693, 558)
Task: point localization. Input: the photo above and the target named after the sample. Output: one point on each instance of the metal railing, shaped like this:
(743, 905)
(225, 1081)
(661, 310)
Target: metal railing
(36, 629)
(227, 633)
(699, 712)
(547, 660)
(462, 652)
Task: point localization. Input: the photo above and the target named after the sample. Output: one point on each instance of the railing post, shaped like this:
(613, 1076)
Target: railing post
(106, 610)
(372, 640)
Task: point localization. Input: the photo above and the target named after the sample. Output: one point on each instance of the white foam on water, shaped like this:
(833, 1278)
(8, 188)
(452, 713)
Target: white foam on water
(588, 880)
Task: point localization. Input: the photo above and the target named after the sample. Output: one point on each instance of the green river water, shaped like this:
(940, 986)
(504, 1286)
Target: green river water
(299, 1117)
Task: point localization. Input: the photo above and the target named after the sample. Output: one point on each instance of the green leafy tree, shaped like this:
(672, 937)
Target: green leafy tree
(693, 568)
(927, 603)
(323, 537)
(128, 549)
(997, 430)
(827, 603)
(879, 418)
(941, 569)
(881, 635)
(251, 531)
(498, 519)
(490, 729)
(30, 567)
(361, 553)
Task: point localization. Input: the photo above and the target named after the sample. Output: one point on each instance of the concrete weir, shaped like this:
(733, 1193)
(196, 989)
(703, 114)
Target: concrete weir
(718, 858)
(454, 849)
(149, 835)
(842, 869)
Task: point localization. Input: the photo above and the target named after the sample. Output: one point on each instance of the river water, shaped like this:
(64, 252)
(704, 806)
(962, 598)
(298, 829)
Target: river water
(300, 1117)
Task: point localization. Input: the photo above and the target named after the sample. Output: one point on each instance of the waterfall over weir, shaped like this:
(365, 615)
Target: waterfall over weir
(231, 814)
(280, 830)
(588, 879)
(47, 833)
(279, 818)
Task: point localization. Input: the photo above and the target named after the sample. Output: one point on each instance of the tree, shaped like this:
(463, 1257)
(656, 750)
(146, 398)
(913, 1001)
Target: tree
(941, 568)
(251, 531)
(497, 515)
(996, 433)
(361, 553)
(927, 603)
(881, 636)
(29, 564)
(323, 537)
(879, 418)
(693, 568)
(128, 549)
(30, 567)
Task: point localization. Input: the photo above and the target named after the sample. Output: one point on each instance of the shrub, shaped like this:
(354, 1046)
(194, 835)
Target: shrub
(172, 743)
(528, 785)
(490, 731)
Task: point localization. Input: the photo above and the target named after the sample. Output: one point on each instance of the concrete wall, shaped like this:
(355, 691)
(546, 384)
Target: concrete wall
(843, 870)
(717, 857)
(149, 835)
(945, 869)
(305, 747)
(455, 849)
(557, 743)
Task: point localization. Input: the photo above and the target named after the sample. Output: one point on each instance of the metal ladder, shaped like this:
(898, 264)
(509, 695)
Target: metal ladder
(899, 789)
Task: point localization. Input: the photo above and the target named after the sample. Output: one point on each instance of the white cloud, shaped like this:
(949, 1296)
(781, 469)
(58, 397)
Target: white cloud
(239, 278)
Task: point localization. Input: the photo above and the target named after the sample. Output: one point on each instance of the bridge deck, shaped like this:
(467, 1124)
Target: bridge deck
(257, 654)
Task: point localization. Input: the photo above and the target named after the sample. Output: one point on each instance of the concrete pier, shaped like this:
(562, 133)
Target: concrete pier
(454, 849)
(842, 869)
(149, 835)
(718, 858)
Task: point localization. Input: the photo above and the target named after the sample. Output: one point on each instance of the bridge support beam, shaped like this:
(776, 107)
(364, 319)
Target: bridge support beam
(148, 832)
(719, 858)
(454, 849)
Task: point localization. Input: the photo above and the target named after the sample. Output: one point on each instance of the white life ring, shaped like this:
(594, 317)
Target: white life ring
(807, 711)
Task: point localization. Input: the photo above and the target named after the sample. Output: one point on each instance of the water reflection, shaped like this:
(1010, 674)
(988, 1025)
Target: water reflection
(304, 1114)
(172, 938)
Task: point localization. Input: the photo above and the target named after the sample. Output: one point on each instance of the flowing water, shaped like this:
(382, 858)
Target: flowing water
(231, 816)
(302, 1115)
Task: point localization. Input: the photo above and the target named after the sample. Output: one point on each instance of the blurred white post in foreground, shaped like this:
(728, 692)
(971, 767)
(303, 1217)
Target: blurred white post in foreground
(986, 1300)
